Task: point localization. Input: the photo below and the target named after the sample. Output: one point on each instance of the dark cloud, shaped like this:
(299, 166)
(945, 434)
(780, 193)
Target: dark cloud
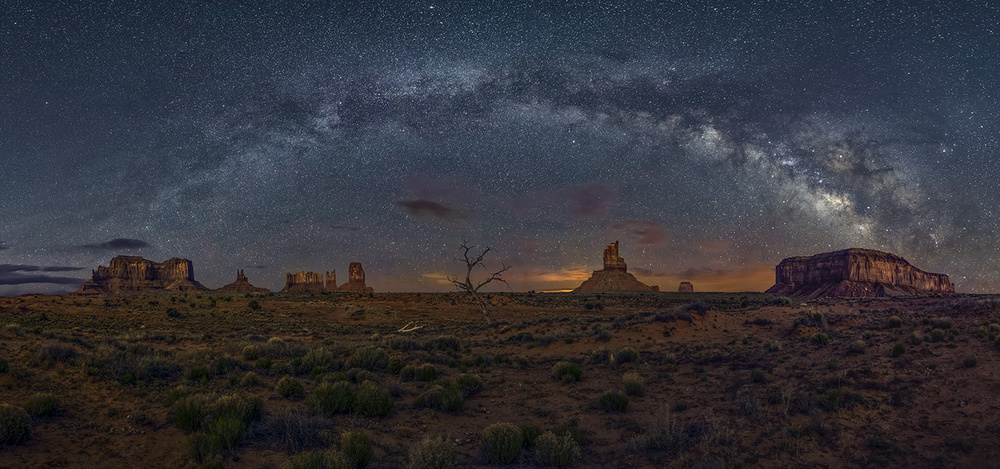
(118, 243)
(10, 274)
(590, 200)
(427, 208)
(643, 231)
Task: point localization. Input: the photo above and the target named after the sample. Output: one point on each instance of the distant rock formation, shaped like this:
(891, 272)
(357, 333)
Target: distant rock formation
(614, 276)
(304, 282)
(685, 287)
(133, 274)
(356, 279)
(331, 280)
(863, 273)
(242, 285)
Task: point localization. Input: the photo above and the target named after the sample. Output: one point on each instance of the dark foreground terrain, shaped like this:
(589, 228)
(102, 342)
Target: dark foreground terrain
(596, 380)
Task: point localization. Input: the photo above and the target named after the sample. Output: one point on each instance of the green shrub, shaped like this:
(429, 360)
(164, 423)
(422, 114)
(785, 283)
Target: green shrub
(395, 365)
(566, 372)
(820, 339)
(937, 335)
(250, 379)
(290, 388)
(530, 433)
(857, 347)
(215, 425)
(226, 432)
(225, 364)
(321, 358)
(634, 384)
(756, 376)
(198, 373)
(372, 400)
(356, 447)
(553, 450)
(773, 345)
(318, 460)
(501, 443)
(191, 412)
(329, 399)
(613, 401)
(426, 372)
(811, 318)
(51, 353)
(971, 360)
(916, 338)
(369, 357)
(15, 425)
(433, 453)
(898, 349)
(446, 343)
(42, 404)
(627, 355)
(435, 396)
(470, 384)
(895, 321)
(408, 373)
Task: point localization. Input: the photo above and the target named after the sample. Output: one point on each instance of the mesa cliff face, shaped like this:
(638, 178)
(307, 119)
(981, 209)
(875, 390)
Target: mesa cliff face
(128, 274)
(614, 276)
(304, 282)
(242, 285)
(356, 279)
(854, 273)
(315, 282)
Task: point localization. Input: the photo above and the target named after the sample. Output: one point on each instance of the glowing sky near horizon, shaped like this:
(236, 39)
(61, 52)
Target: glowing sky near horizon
(712, 139)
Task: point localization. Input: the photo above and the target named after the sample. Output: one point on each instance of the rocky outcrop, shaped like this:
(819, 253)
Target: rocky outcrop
(132, 274)
(614, 276)
(685, 287)
(331, 280)
(356, 279)
(854, 273)
(304, 282)
(242, 285)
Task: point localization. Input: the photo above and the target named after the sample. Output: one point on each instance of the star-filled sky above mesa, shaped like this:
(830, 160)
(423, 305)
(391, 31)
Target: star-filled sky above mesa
(712, 139)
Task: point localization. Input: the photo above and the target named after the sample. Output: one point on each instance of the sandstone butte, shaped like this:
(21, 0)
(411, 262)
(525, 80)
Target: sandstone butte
(685, 287)
(316, 282)
(614, 276)
(242, 285)
(858, 273)
(128, 274)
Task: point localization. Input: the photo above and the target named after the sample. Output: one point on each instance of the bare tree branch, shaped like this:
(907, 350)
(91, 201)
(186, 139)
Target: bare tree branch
(470, 264)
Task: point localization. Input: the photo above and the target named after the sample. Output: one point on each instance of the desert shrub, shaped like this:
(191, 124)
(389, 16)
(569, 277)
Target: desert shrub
(501, 443)
(857, 347)
(372, 401)
(634, 384)
(552, 450)
(196, 373)
(748, 402)
(359, 376)
(599, 356)
(682, 313)
(898, 349)
(916, 337)
(332, 398)
(51, 353)
(293, 430)
(602, 335)
(757, 376)
(15, 425)
(773, 345)
(613, 401)
(250, 379)
(895, 321)
(318, 460)
(941, 323)
(190, 412)
(224, 364)
(446, 343)
(369, 357)
(530, 433)
(566, 372)
(215, 425)
(427, 372)
(129, 364)
(627, 355)
(820, 339)
(4, 366)
(226, 432)
(446, 398)
(811, 318)
(470, 384)
(290, 388)
(395, 365)
(971, 360)
(356, 447)
(42, 404)
(321, 358)
(937, 335)
(433, 453)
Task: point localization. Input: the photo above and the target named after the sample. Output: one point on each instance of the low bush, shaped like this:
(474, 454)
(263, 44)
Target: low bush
(437, 452)
(329, 399)
(916, 338)
(15, 425)
(250, 379)
(501, 443)
(898, 349)
(820, 339)
(857, 347)
(530, 433)
(971, 360)
(369, 357)
(356, 448)
(634, 384)
(895, 321)
(427, 372)
(627, 355)
(566, 372)
(773, 345)
(937, 335)
(613, 401)
(290, 388)
(811, 318)
(372, 400)
(215, 425)
(445, 398)
(552, 450)
(42, 404)
(470, 384)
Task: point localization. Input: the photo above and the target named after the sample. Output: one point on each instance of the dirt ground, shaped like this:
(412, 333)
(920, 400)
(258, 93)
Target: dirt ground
(730, 379)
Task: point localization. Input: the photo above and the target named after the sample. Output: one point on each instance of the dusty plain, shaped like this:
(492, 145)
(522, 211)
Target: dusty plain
(728, 379)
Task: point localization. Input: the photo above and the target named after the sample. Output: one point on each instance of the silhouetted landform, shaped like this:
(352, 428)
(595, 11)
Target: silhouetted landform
(133, 274)
(356, 279)
(242, 285)
(857, 273)
(314, 281)
(685, 287)
(614, 276)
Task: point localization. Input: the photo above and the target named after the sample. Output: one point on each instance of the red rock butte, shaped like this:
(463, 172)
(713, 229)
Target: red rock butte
(614, 276)
(132, 274)
(685, 287)
(857, 273)
(242, 285)
(316, 282)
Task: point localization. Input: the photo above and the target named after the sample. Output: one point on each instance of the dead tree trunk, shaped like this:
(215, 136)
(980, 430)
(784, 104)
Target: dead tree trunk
(473, 288)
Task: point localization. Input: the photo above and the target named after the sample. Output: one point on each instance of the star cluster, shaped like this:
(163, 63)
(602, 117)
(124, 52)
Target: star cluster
(712, 138)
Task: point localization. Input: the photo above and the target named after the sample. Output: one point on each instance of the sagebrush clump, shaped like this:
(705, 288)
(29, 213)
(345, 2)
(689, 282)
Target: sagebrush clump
(15, 425)
(501, 443)
(553, 450)
(437, 452)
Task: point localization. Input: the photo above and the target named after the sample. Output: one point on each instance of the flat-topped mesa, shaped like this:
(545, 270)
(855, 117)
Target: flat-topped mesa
(685, 287)
(303, 282)
(614, 276)
(356, 279)
(133, 274)
(242, 285)
(860, 273)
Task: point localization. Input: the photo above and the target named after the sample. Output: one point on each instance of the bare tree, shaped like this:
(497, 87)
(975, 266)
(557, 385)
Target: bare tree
(467, 285)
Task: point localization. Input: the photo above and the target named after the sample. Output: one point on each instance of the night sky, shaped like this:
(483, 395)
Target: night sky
(712, 139)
